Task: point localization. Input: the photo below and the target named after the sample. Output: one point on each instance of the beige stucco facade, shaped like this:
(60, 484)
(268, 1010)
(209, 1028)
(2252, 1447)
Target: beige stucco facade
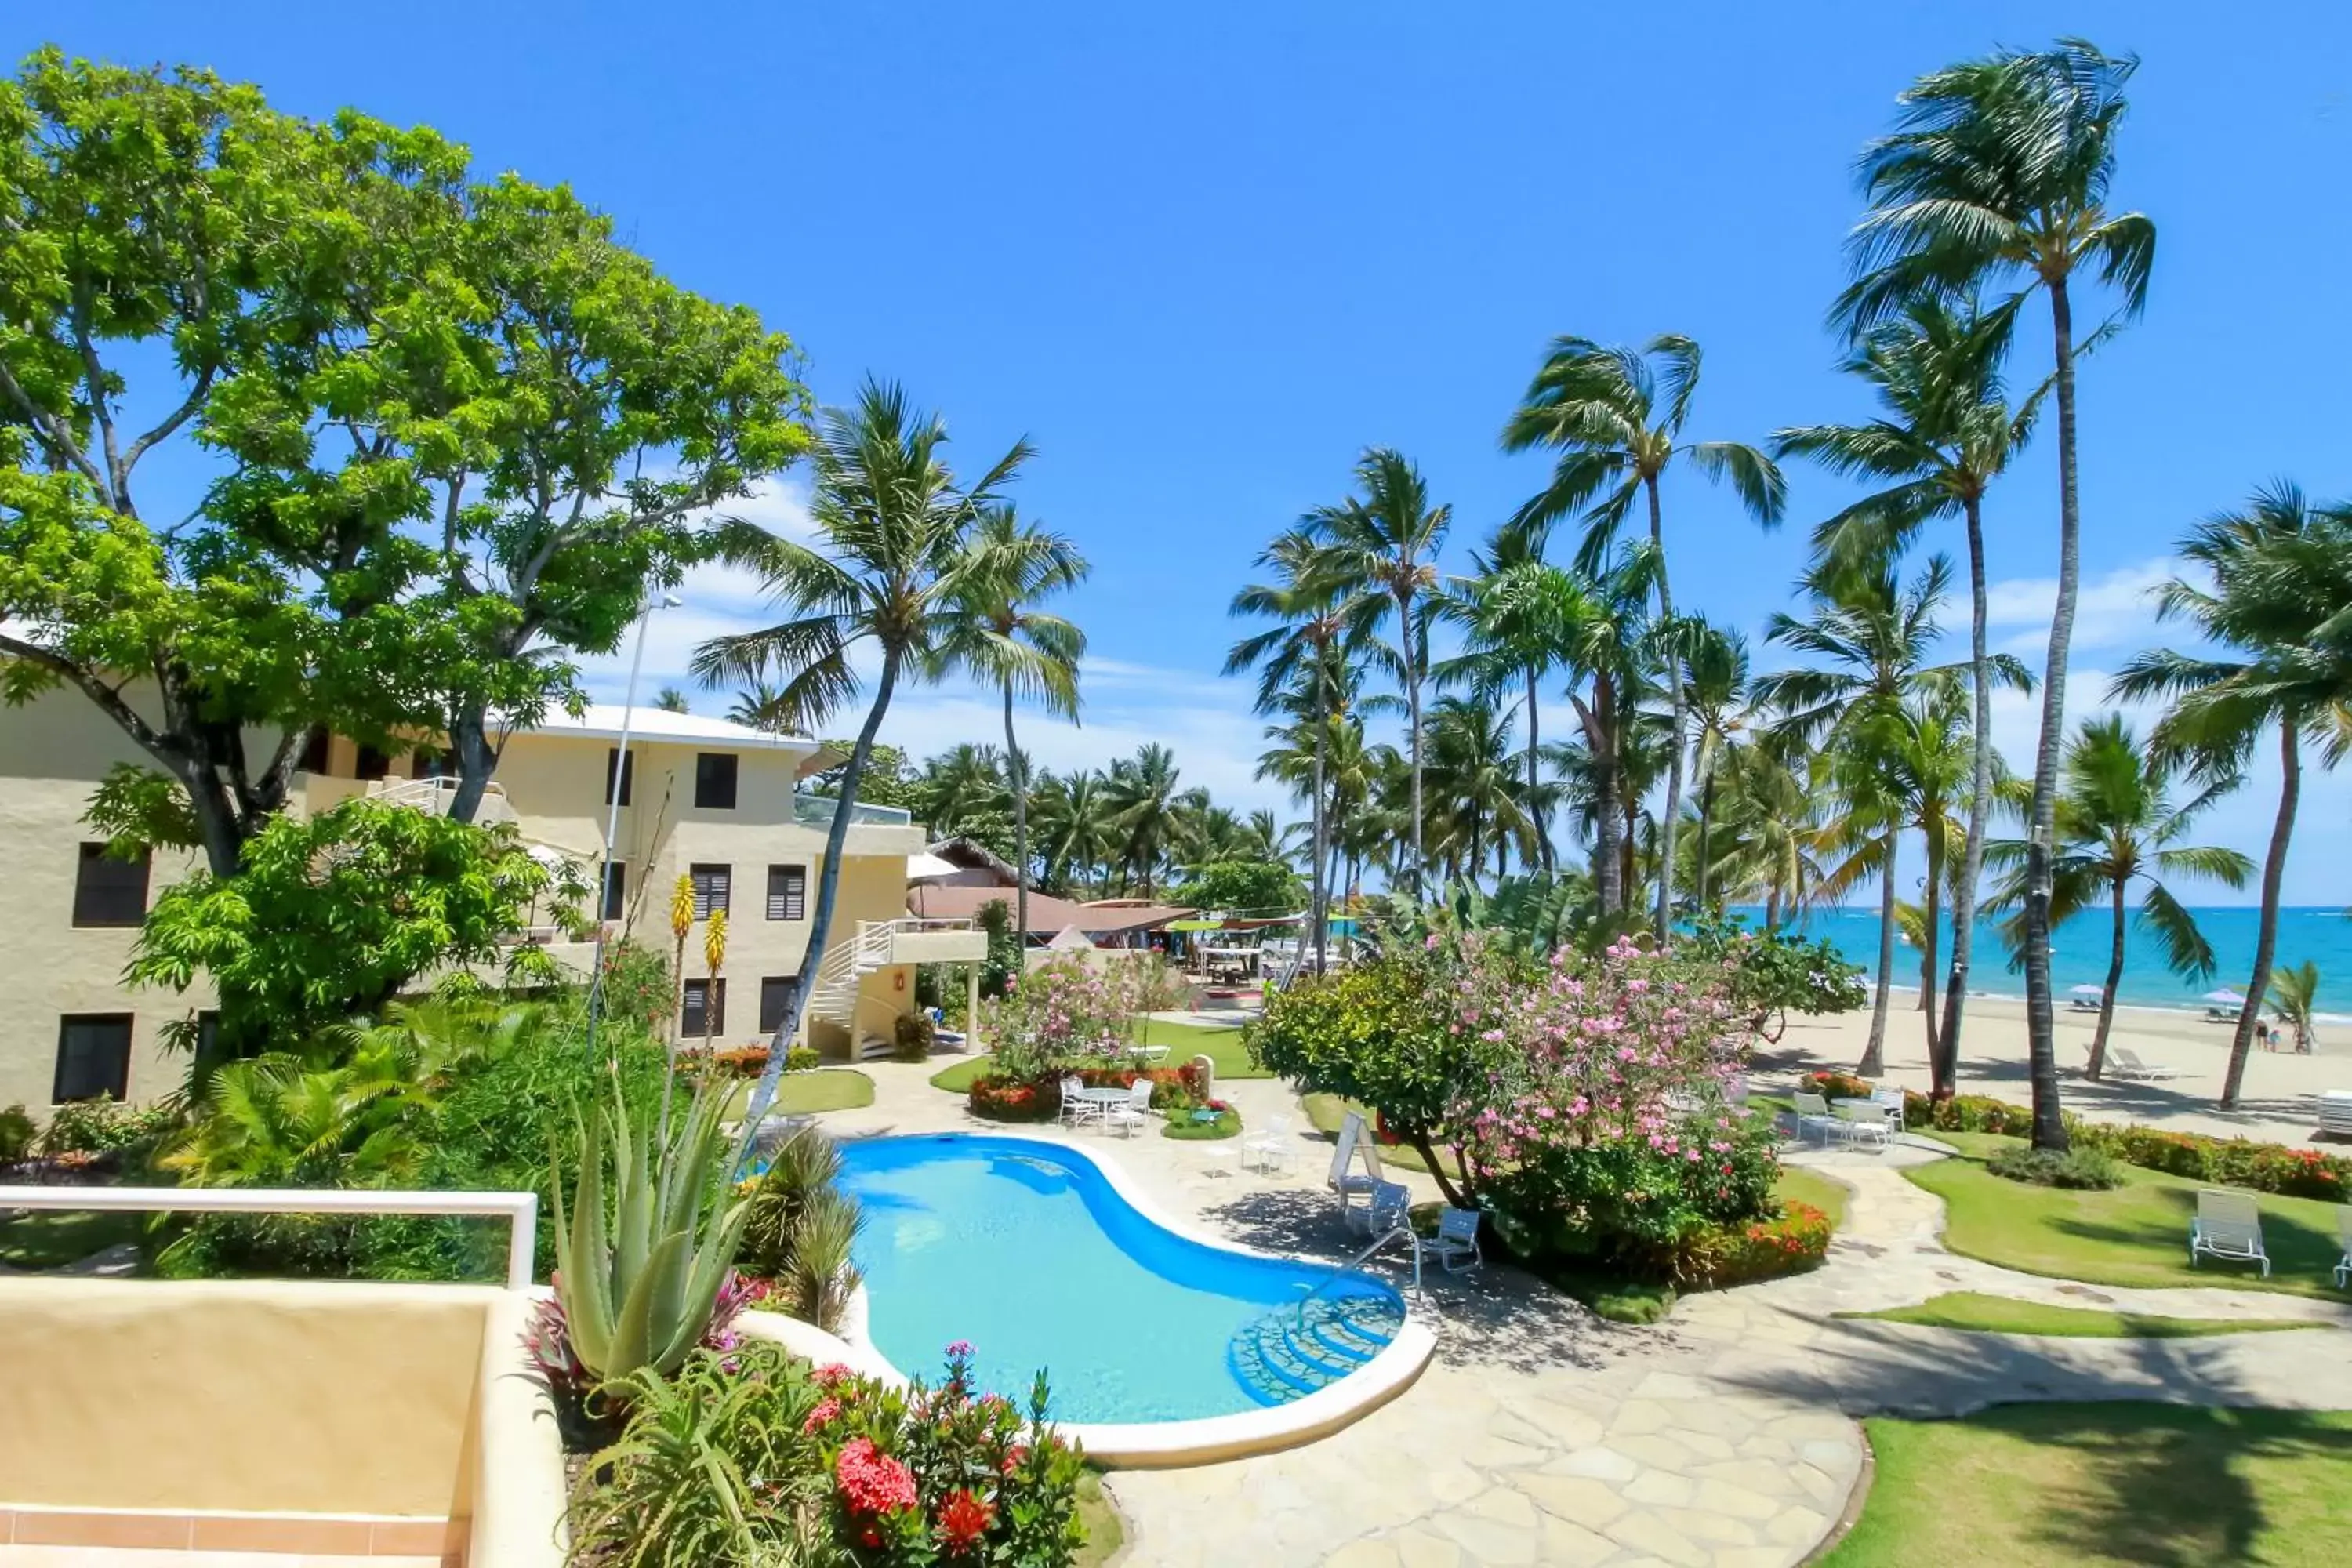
(550, 784)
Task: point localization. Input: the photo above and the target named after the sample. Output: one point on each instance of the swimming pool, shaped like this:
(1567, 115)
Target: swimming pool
(1026, 1250)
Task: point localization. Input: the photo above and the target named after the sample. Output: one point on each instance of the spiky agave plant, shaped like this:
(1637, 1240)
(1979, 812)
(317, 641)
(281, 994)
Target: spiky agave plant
(639, 1271)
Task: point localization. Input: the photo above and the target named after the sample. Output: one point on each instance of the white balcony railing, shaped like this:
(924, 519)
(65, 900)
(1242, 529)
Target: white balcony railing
(519, 1210)
(818, 811)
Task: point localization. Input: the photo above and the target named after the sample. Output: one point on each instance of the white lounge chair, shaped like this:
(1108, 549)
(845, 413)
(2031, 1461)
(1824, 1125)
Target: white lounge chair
(2344, 1229)
(1135, 1110)
(1456, 1246)
(1274, 1146)
(1813, 1116)
(2228, 1225)
(2125, 1062)
(2336, 1112)
(1863, 1121)
(1076, 1109)
(1350, 1184)
(1390, 1211)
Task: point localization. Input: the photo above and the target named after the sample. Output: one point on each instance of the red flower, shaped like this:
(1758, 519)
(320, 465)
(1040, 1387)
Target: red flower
(964, 1520)
(824, 1411)
(1012, 1458)
(830, 1373)
(872, 1482)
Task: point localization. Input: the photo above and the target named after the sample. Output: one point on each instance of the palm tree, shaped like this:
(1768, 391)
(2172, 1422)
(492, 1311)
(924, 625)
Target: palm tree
(995, 630)
(2280, 600)
(1715, 688)
(760, 705)
(1147, 809)
(898, 544)
(2294, 1000)
(1307, 655)
(1511, 613)
(1771, 822)
(1606, 635)
(2001, 169)
(1598, 408)
(671, 700)
(1945, 433)
(961, 794)
(2118, 825)
(1073, 825)
(1474, 798)
(1384, 547)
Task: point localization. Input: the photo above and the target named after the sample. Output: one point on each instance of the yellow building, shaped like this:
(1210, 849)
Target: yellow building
(701, 797)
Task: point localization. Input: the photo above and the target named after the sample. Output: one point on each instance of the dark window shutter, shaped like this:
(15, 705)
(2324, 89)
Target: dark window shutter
(705, 1012)
(788, 892)
(108, 891)
(93, 1057)
(714, 780)
(616, 887)
(314, 751)
(710, 890)
(775, 1001)
(373, 765)
(628, 772)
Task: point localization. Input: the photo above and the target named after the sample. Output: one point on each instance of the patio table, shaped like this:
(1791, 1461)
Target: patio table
(1102, 1099)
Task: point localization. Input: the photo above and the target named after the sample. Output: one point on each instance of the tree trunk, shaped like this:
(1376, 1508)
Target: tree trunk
(2266, 932)
(1535, 784)
(1600, 742)
(1671, 821)
(476, 761)
(1873, 1052)
(2107, 996)
(1963, 897)
(1019, 786)
(1706, 816)
(1318, 889)
(2041, 1045)
(1930, 945)
(1412, 698)
(828, 887)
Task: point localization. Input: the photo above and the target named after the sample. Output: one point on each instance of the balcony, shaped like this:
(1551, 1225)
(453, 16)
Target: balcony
(818, 811)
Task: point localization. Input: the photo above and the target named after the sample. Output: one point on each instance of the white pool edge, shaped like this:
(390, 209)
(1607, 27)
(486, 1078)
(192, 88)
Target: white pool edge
(1154, 1445)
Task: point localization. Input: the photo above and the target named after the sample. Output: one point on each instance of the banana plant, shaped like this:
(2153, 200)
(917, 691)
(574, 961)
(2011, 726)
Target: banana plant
(639, 1271)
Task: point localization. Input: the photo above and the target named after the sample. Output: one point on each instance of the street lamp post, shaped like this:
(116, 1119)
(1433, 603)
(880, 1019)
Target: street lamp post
(612, 813)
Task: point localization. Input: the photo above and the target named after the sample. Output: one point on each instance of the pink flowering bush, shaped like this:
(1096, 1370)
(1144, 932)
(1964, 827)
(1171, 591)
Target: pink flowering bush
(1064, 1013)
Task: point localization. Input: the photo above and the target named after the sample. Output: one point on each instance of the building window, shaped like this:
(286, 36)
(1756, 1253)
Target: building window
(706, 1009)
(373, 765)
(775, 1001)
(788, 892)
(314, 751)
(710, 890)
(431, 762)
(108, 891)
(207, 1034)
(93, 1057)
(714, 780)
(616, 887)
(628, 771)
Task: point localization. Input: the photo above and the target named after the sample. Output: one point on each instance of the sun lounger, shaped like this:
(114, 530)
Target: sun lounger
(2336, 1112)
(2228, 1225)
(2124, 1062)
(1352, 1184)
(2081, 1005)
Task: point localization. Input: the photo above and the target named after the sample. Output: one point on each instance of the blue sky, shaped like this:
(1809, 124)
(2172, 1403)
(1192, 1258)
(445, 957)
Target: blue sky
(1203, 254)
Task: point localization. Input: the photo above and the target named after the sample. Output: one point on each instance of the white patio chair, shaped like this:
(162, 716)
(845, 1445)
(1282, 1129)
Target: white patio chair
(1076, 1109)
(2124, 1063)
(1274, 1146)
(1132, 1112)
(1350, 1184)
(1390, 1210)
(1813, 1116)
(1456, 1246)
(1889, 1100)
(1863, 1121)
(2228, 1225)
(2344, 1229)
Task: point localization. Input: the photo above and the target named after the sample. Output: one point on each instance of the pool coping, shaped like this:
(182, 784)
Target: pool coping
(1153, 1445)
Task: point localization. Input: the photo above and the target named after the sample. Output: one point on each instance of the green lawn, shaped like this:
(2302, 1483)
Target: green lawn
(2107, 1486)
(806, 1093)
(1183, 1129)
(51, 1238)
(2135, 1235)
(2002, 1315)
(1798, 1184)
(1184, 1041)
(1100, 1521)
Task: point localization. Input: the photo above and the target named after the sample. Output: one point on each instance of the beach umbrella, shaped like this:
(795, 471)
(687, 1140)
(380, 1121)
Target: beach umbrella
(2088, 991)
(2225, 998)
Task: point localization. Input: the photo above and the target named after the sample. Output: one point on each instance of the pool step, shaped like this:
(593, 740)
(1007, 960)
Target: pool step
(1289, 1353)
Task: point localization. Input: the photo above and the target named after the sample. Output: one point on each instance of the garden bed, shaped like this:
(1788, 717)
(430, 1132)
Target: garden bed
(1973, 1313)
(1222, 1121)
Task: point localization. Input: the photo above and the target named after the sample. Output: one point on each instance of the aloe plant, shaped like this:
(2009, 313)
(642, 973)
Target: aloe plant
(639, 1272)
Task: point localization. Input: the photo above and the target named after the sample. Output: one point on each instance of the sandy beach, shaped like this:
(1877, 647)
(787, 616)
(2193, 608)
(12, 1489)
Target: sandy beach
(2277, 1102)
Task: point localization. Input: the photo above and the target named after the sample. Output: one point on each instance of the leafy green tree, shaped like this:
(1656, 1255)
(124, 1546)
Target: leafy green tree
(1241, 887)
(332, 916)
(2279, 577)
(1945, 434)
(898, 544)
(996, 631)
(2002, 169)
(1384, 547)
(1598, 408)
(2294, 1000)
(2119, 828)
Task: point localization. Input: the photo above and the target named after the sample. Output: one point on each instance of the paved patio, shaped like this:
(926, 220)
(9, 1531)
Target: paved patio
(1723, 1438)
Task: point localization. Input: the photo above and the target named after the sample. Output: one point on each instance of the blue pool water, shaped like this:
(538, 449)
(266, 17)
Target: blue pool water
(1027, 1252)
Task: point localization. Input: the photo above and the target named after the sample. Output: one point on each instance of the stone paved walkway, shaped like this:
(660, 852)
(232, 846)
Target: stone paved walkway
(1723, 1438)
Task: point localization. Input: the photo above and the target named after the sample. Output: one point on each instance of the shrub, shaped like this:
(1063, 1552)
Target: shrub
(1184, 1127)
(637, 983)
(912, 1038)
(1967, 1113)
(1835, 1085)
(800, 1059)
(2084, 1170)
(802, 1229)
(1718, 1256)
(1062, 1012)
(1173, 1089)
(1013, 1100)
(1774, 970)
(16, 1132)
(102, 1126)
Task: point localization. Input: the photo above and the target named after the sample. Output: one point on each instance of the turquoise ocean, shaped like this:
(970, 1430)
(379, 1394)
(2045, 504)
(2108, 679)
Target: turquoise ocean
(2079, 953)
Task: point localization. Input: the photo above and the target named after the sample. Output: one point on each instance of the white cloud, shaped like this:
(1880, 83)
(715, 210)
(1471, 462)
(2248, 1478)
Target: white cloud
(2108, 610)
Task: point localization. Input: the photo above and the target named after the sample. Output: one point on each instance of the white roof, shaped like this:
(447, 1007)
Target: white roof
(602, 722)
(926, 864)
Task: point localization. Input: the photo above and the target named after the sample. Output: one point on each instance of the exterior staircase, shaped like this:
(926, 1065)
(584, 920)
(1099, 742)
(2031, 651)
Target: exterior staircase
(1291, 1352)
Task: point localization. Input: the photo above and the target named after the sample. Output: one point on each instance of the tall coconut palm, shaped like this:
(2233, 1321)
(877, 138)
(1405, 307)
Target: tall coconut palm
(1716, 686)
(1474, 798)
(1512, 616)
(1771, 821)
(2118, 827)
(1945, 433)
(2000, 169)
(995, 630)
(898, 544)
(1601, 408)
(1307, 655)
(1605, 646)
(1074, 827)
(2278, 598)
(1147, 810)
(1384, 547)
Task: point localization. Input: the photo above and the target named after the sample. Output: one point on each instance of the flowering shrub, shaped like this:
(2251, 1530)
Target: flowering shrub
(1062, 1013)
(2231, 1161)
(1002, 1099)
(1966, 1114)
(1718, 1256)
(1835, 1085)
